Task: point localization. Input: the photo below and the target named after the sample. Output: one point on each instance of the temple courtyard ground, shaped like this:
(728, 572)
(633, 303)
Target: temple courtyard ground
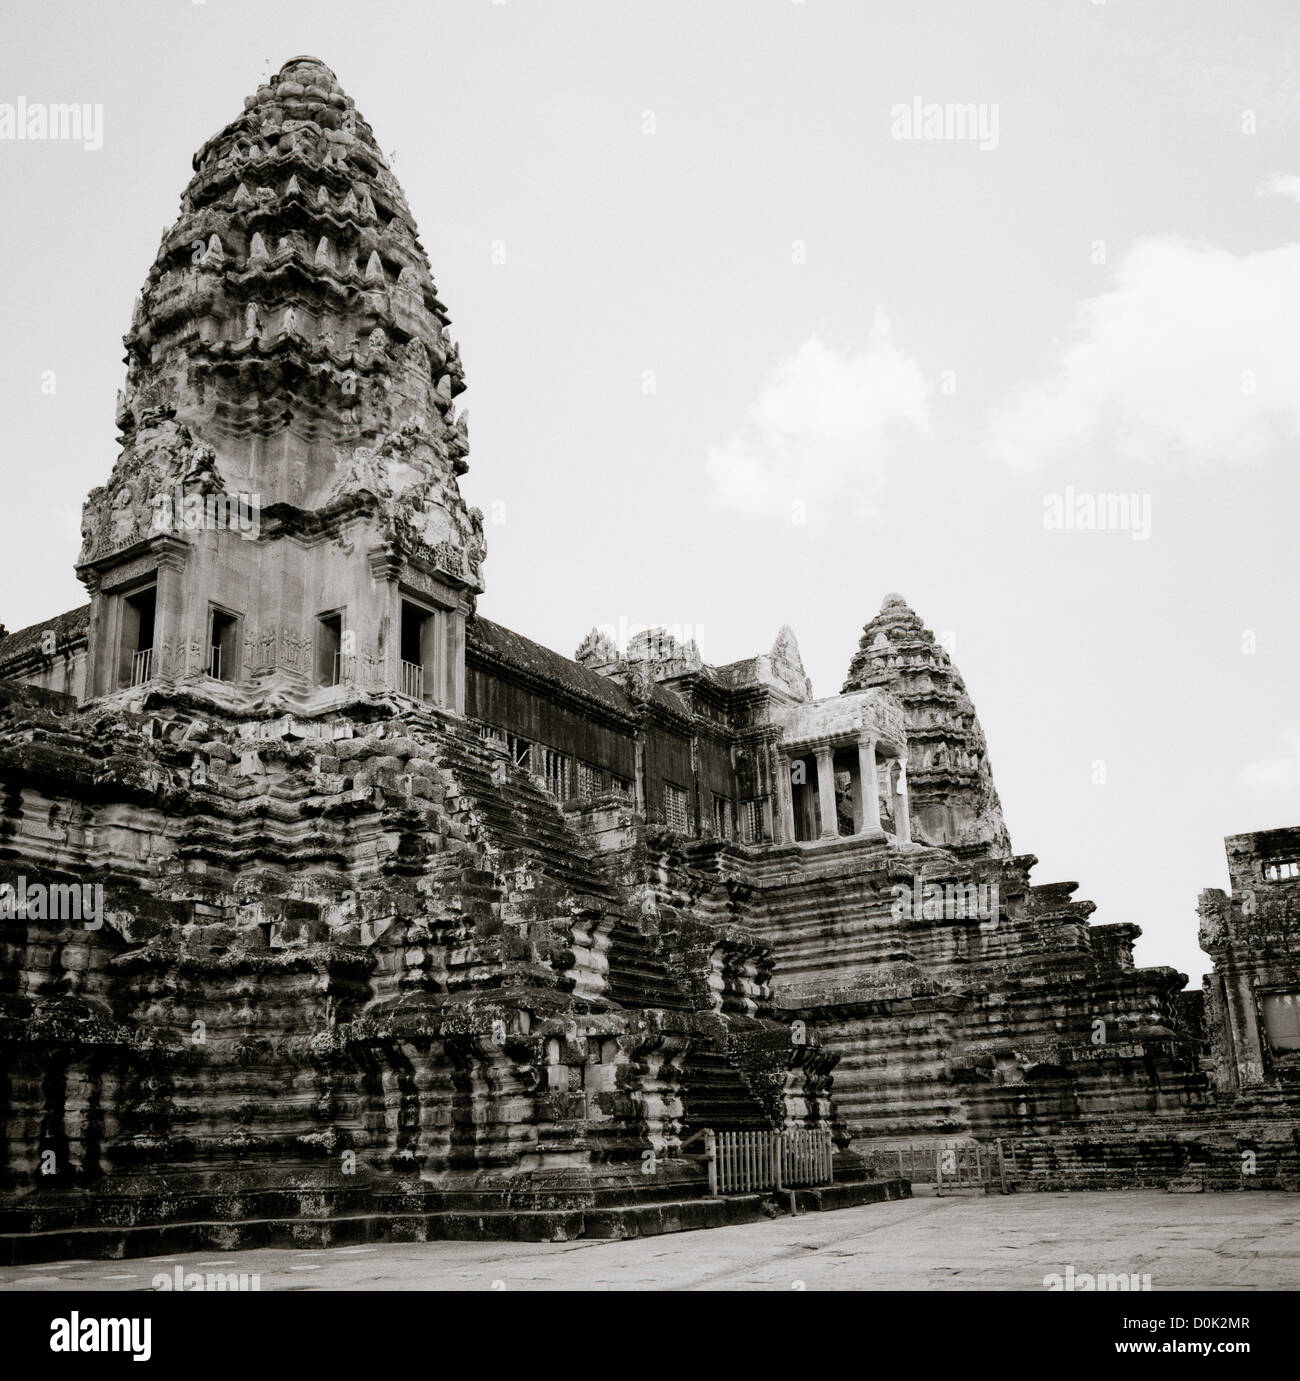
(1231, 1241)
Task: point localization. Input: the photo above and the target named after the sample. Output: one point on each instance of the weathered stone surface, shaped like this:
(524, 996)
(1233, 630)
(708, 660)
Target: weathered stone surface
(954, 800)
(335, 910)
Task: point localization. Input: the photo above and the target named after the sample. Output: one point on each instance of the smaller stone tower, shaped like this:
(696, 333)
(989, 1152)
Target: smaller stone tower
(953, 799)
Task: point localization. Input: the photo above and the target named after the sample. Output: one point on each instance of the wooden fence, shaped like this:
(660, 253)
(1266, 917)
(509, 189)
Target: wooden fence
(750, 1162)
(955, 1165)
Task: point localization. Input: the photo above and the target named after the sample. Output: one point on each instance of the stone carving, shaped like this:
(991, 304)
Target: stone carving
(638, 680)
(596, 650)
(786, 664)
(365, 474)
(125, 521)
(296, 649)
(449, 557)
(476, 548)
(1214, 926)
(415, 355)
(663, 654)
(170, 655)
(457, 442)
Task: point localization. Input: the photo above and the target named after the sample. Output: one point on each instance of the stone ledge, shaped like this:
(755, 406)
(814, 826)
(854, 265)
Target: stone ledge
(507, 1225)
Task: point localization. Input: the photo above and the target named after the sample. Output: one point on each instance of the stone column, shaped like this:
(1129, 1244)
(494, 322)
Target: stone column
(869, 822)
(826, 792)
(453, 675)
(380, 609)
(903, 806)
(171, 638)
(858, 797)
(784, 801)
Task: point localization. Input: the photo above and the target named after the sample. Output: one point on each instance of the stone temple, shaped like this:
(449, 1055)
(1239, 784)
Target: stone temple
(333, 909)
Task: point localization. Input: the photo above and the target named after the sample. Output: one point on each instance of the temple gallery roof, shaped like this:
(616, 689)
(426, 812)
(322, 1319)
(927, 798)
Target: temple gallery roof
(68, 629)
(873, 714)
(515, 650)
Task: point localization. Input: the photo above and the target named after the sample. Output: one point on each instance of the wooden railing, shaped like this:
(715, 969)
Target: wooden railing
(413, 680)
(807, 1157)
(141, 666)
(751, 1162)
(946, 1165)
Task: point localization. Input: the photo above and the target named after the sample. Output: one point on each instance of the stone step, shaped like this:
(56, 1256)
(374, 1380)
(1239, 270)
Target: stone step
(646, 1219)
(715, 1094)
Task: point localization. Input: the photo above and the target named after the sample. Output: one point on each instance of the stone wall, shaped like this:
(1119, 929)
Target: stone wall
(1253, 936)
(347, 962)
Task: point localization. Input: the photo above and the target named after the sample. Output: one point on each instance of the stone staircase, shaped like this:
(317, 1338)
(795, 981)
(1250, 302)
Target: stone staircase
(715, 1094)
(478, 903)
(519, 819)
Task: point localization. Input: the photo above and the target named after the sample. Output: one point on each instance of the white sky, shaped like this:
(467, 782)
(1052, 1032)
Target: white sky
(819, 383)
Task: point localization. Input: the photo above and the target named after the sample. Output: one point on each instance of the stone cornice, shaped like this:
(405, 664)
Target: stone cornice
(172, 553)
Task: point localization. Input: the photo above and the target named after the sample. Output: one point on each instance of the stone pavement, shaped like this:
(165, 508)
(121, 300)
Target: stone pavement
(1233, 1241)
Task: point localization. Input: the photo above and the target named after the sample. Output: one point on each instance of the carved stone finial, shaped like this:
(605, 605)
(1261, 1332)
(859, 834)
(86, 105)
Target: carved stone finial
(596, 650)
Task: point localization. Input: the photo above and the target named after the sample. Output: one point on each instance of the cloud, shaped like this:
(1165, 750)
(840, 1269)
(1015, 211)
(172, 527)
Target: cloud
(821, 426)
(1287, 185)
(1191, 358)
(1278, 773)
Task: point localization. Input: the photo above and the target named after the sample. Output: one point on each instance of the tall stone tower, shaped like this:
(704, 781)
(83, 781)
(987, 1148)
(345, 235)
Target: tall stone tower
(283, 528)
(953, 799)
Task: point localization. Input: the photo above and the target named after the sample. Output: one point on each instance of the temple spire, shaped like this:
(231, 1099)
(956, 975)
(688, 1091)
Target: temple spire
(284, 524)
(953, 797)
(298, 169)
